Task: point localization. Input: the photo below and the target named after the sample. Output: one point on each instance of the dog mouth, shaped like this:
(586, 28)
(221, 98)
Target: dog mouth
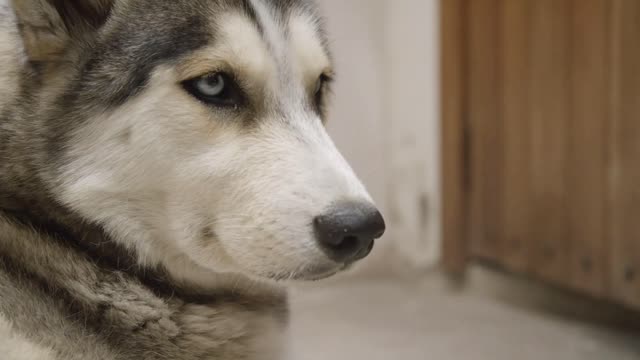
(320, 276)
(311, 274)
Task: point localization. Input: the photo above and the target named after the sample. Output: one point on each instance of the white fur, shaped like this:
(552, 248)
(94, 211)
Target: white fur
(163, 167)
(310, 58)
(10, 59)
(14, 346)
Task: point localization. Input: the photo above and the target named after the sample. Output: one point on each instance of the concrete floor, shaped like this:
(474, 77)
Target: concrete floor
(427, 319)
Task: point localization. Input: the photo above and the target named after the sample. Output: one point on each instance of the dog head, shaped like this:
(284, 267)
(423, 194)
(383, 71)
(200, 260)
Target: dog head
(192, 130)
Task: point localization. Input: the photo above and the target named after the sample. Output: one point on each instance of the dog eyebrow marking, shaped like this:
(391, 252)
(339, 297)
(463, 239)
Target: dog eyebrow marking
(250, 10)
(272, 29)
(241, 46)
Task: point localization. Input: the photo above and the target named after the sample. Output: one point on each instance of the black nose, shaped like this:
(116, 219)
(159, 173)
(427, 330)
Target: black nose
(348, 231)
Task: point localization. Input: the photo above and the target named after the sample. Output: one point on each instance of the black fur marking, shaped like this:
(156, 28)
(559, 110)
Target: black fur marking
(136, 55)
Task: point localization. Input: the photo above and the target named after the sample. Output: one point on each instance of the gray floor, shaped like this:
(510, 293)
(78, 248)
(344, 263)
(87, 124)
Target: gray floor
(396, 319)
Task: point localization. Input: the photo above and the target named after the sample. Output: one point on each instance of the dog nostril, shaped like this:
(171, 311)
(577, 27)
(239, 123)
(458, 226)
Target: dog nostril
(347, 244)
(348, 231)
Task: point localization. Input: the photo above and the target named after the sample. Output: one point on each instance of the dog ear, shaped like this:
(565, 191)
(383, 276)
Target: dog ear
(83, 14)
(48, 27)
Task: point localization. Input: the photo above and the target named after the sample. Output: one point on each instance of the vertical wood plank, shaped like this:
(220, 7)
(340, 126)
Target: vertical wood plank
(625, 181)
(485, 130)
(454, 170)
(549, 110)
(516, 55)
(588, 145)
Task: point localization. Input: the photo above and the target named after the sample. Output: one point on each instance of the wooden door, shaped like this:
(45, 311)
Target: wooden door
(541, 140)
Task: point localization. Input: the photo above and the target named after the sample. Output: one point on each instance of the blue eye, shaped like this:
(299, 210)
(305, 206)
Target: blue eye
(211, 85)
(218, 89)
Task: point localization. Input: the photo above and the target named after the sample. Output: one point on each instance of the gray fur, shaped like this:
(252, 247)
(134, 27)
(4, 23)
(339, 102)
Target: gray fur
(66, 287)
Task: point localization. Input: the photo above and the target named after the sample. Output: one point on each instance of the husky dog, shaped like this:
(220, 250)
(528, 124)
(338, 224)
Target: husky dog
(164, 171)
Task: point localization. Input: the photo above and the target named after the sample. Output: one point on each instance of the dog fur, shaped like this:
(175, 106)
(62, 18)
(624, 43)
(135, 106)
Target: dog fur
(137, 222)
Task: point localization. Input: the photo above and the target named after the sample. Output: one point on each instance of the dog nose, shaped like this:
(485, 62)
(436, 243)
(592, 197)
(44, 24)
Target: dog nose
(348, 231)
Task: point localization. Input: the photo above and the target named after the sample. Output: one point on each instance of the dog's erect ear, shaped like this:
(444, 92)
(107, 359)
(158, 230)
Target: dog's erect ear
(48, 27)
(86, 14)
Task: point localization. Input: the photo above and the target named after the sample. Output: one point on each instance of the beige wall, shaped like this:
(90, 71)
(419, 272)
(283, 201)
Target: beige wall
(385, 115)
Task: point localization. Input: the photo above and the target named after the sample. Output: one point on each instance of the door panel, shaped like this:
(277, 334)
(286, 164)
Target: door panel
(516, 106)
(551, 103)
(486, 151)
(588, 142)
(549, 131)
